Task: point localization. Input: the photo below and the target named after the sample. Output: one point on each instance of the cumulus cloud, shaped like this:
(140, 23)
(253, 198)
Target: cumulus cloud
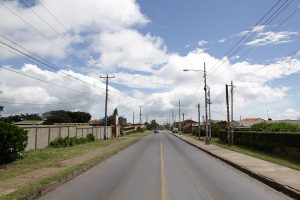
(274, 38)
(130, 49)
(139, 62)
(102, 16)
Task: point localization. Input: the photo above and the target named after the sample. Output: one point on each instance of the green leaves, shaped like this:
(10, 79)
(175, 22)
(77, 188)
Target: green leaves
(13, 140)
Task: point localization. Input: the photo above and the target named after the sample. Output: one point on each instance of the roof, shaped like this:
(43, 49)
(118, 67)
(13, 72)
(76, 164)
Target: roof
(30, 122)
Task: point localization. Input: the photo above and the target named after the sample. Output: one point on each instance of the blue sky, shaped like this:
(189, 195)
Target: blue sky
(146, 44)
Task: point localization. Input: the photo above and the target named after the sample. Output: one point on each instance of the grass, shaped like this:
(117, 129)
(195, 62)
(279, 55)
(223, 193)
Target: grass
(67, 172)
(255, 153)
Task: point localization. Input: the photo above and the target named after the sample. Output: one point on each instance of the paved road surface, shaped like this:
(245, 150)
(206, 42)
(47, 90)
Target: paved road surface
(162, 167)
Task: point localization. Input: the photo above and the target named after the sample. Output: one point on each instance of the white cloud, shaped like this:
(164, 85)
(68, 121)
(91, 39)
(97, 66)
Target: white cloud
(130, 49)
(202, 42)
(267, 38)
(222, 40)
(79, 18)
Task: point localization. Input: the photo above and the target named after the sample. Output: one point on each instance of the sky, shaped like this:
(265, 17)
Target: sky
(53, 52)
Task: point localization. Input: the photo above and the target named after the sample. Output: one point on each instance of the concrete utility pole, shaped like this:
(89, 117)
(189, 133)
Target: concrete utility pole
(199, 119)
(182, 116)
(209, 114)
(173, 120)
(132, 117)
(228, 118)
(140, 114)
(179, 116)
(106, 95)
(232, 122)
(206, 114)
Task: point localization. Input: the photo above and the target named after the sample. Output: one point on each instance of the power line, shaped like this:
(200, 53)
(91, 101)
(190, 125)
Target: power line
(251, 32)
(46, 64)
(36, 30)
(20, 73)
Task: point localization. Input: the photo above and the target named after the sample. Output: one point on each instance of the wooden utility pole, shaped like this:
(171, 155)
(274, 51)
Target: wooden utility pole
(228, 118)
(206, 114)
(199, 119)
(140, 114)
(106, 95)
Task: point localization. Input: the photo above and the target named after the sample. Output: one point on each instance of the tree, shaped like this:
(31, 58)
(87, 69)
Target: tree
(57, 116)
(115, 113)
(62, 116)
(80, 117)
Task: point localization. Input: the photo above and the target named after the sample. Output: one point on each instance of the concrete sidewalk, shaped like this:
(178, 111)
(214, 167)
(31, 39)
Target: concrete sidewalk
(276, 176)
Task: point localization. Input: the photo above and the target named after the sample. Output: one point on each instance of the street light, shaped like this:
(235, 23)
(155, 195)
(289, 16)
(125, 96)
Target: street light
(205, 89)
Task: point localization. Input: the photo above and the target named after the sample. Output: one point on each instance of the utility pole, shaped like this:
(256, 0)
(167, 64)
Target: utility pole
(132, 117)
(140, 114)
(182, 116)
(209, 114)
(106, 95)
(206, 115)
(228, 118)
(173, 121)
(232, 123)
(147, 118)
(199, 119)
(179, 117)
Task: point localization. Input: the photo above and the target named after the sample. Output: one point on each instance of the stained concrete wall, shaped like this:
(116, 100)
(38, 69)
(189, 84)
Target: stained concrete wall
(40, 136)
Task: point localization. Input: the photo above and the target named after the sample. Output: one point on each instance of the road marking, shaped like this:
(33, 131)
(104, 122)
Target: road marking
(164, 190)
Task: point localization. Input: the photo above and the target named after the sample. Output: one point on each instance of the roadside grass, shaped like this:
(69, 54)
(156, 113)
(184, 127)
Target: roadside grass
(62, 176)
(49, 157)
(255, 153)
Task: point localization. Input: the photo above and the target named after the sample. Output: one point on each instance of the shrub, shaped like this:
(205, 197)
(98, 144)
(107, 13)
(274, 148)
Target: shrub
(140, 129)
(90, 137)
(13, 140)
(275, 127)
(283, 144)
(65, 142)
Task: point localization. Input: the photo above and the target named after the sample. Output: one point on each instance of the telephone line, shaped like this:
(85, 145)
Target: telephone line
(48, 65)
(23, 74)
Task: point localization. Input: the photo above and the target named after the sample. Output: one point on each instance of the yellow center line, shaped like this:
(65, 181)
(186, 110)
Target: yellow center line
(164, 190)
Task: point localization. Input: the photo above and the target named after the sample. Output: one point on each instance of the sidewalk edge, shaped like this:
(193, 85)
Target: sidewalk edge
(291, 192)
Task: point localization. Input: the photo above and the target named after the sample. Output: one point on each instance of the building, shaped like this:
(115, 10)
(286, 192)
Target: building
(30, 122)
(248, 122)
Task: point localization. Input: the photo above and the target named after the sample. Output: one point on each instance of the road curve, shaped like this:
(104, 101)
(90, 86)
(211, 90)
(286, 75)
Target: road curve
(161, 167)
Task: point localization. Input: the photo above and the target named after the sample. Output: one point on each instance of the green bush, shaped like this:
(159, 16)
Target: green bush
(140, 129)
(65, 142)
(275, 127)
(90, 137)
(283, 144)
(13, 140)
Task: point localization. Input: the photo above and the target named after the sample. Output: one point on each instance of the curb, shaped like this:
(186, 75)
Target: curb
(54, 184)
(291, 192)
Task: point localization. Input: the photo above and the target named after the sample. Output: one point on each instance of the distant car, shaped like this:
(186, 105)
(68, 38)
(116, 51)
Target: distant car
(175, 130)
(155, 131)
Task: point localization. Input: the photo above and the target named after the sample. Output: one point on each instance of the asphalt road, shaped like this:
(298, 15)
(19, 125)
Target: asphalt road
(162, 166)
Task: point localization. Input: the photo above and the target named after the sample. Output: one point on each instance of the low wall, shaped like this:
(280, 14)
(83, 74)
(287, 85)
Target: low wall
(40, 136)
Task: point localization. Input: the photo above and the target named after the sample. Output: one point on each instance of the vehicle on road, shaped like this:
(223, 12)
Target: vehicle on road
(155, 131)
(175, 130)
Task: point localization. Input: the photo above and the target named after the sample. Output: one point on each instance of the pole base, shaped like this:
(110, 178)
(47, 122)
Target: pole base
(207, 141)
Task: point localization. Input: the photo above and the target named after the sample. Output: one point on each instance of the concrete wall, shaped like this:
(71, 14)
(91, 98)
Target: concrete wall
(40, 136)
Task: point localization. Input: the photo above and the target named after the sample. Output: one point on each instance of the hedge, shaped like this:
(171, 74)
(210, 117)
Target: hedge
(13, 140)
(65, 142)
(283, 144)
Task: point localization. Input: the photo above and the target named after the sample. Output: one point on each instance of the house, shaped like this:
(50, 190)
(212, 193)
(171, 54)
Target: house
(248, 122)
(30, 122)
